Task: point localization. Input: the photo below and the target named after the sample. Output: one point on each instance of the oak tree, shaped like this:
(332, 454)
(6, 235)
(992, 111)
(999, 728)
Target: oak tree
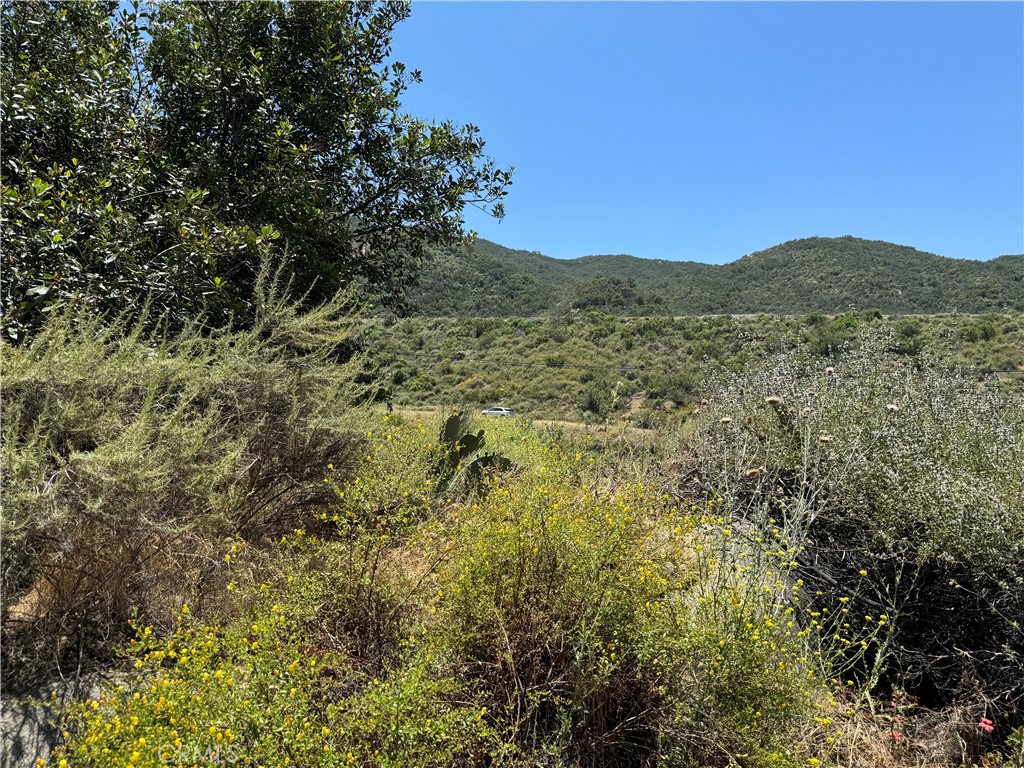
(159, 153)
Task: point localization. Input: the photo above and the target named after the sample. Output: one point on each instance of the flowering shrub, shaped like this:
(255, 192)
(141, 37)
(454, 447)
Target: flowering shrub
(589, 619)
(261, 691)
(549, 621)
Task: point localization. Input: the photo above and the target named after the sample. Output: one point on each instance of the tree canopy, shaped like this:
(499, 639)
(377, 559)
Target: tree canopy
(158, 153)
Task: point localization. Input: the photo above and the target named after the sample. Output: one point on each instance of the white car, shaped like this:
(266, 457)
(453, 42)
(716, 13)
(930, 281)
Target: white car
(498, 412)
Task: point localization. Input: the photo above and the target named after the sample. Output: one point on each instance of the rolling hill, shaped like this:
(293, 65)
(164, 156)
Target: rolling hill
(813, 274)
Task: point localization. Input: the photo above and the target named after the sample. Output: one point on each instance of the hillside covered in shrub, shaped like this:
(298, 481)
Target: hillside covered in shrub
(592, 366)
(814, 274)
(228, 537)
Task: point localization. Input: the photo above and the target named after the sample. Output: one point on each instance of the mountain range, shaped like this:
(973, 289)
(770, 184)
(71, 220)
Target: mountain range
(817, 274)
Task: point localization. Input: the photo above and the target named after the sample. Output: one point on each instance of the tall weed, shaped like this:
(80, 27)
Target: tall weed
(899, 484)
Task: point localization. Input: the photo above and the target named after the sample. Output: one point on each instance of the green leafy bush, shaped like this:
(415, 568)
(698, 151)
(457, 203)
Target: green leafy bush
(547, 622)
(156, 155)
(263, 690)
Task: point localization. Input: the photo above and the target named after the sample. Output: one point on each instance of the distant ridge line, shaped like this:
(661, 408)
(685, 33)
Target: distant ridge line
(828, 275)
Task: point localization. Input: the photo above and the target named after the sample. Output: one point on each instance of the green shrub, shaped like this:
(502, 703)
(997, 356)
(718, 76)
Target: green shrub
(550, 622)
(669, 358)
(264, 690)
(586, 619)
(127, 456)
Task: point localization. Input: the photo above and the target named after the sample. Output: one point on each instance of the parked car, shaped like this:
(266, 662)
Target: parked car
(498, 412)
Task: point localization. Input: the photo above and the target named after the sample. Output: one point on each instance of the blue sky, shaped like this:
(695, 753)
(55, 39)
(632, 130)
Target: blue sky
(706, 131)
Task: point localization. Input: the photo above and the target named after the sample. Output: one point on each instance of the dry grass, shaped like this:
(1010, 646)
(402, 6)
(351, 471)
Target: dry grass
(88, 587)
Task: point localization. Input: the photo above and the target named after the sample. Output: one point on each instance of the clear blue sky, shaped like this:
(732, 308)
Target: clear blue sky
(706, 131)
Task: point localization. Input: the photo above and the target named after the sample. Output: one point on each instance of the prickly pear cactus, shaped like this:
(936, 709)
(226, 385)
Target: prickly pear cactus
(456, 447)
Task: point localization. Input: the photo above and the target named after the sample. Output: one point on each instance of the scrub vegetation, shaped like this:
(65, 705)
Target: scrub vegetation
(824, 274)
(767, 582)
(250, 519)
(592, 366)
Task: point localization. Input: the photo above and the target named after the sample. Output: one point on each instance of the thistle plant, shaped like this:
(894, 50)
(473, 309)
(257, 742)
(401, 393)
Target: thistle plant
(898, 484)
